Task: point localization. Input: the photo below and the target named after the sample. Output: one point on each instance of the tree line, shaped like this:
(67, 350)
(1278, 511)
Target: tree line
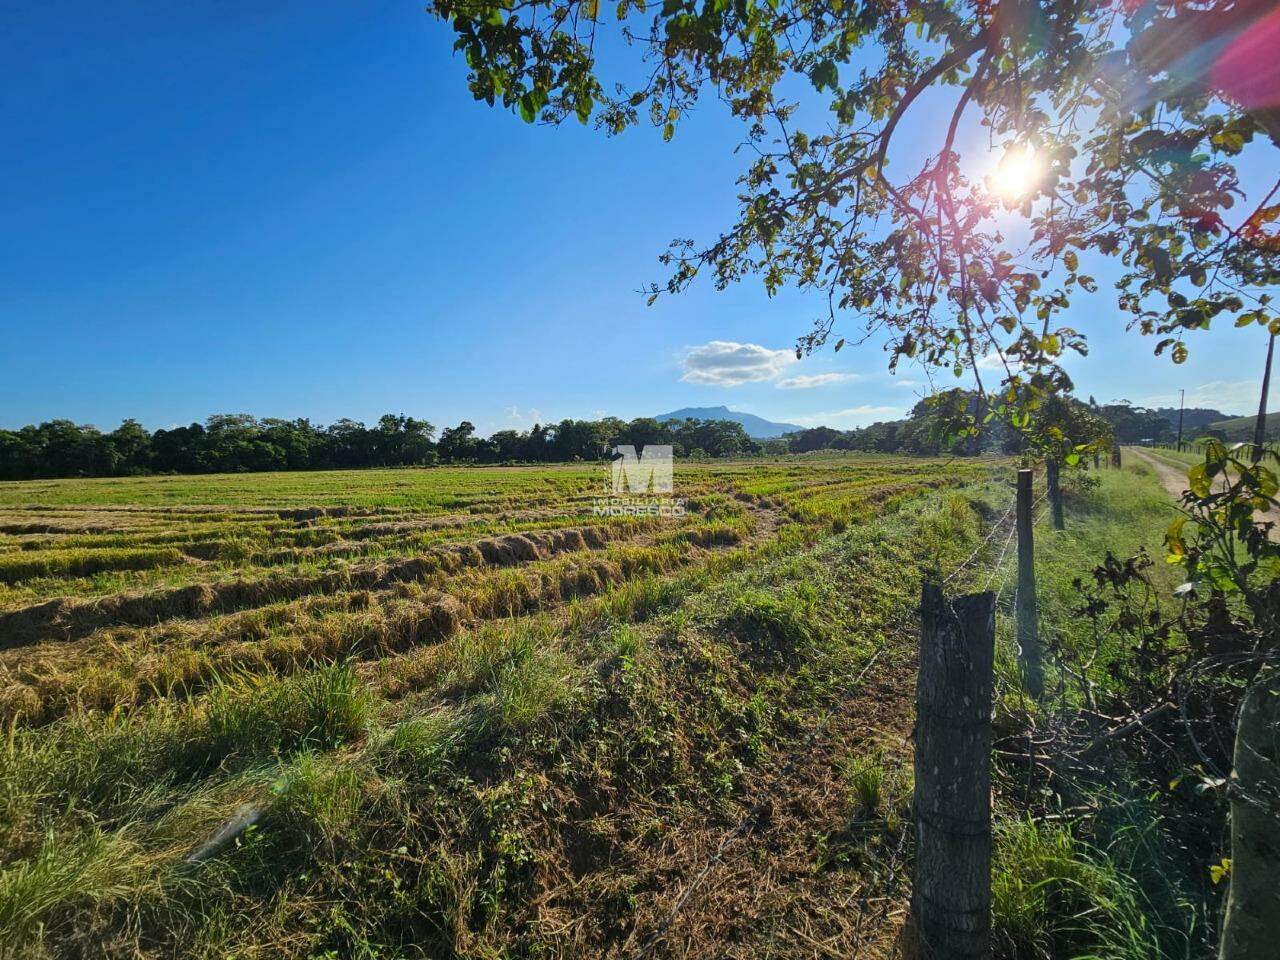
(241, 443)
(945, 423)
(233, 443)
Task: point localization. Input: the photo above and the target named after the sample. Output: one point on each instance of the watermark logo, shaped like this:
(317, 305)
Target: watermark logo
(649, 478)
(650, 471)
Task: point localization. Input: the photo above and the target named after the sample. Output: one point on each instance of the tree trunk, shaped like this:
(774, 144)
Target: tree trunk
(1260, 427)
(1251, 923)
(1052, 473)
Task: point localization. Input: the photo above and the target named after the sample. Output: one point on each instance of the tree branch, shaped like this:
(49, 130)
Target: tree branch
(957, 56)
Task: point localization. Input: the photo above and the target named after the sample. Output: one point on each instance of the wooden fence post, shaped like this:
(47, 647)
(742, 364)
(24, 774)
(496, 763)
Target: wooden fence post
(1053, 480)
(1115, 458)
(951, 895)
(1029, 656)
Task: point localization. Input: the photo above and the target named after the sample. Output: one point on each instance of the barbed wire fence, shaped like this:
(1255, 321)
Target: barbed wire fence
(879, 891)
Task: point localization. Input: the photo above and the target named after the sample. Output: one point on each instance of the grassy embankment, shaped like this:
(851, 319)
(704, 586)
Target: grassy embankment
(1104, 871)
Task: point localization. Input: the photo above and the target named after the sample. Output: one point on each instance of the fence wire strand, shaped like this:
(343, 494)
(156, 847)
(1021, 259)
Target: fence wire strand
(872, 892)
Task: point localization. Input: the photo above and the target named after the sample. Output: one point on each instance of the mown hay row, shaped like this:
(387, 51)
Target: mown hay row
(199, 511)
(38, 693)
(119, 671)
(18, 528)
(28, 565)
(69, 618)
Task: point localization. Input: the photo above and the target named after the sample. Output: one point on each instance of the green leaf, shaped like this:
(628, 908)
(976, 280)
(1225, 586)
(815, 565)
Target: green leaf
(1198, 480)
(528, 108)
(825, 74)
(1220, 871)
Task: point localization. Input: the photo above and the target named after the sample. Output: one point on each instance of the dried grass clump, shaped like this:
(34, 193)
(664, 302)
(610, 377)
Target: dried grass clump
(417, 624)
(509, 550)
(69, 618)
(712, 535)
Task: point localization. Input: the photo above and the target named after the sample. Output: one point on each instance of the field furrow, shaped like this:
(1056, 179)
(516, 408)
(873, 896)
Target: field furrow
(173, 650)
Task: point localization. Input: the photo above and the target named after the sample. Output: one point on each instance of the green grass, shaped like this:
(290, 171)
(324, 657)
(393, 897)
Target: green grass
(1128, 512)
(1110, 877)
(1055, 896)
(408, 781)
(1242, 428)
(525, 751)
(867, 778)
(1183, 459)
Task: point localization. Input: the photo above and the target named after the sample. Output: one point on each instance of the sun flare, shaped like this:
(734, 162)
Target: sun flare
(1017, 173)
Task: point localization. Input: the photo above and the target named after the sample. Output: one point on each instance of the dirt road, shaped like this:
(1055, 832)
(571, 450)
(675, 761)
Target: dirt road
(1171, 478)
(1175, 481)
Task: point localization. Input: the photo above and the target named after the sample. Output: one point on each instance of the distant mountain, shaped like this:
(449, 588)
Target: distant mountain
(757, 428)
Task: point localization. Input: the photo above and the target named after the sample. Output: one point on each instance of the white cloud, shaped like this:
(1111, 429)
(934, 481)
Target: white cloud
(722, 363)
(808, 381)
(1236, 397)
(993, 361)
(906, 383)
(990, 362)
(531, 416)
(851, 416)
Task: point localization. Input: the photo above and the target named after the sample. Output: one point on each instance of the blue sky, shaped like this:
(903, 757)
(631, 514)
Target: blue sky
(296, 209)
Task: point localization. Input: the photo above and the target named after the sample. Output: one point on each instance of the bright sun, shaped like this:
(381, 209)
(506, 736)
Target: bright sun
(1017, 173)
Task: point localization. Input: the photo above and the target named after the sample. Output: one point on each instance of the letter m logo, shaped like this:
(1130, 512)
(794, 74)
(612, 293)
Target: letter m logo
(649, 472)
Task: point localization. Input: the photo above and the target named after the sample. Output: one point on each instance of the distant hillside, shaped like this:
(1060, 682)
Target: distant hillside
(1194, 418)
(757, 428)
(1160, 424)
(1241, 428)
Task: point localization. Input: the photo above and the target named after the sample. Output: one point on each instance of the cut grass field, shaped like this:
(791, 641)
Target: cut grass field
(433, 713)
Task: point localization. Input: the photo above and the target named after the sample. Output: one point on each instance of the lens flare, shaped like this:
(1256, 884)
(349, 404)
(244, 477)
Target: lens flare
(1017, 173)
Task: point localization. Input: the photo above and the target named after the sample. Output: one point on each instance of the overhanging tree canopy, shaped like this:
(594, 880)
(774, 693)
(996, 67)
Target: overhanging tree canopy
(1120, 124)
